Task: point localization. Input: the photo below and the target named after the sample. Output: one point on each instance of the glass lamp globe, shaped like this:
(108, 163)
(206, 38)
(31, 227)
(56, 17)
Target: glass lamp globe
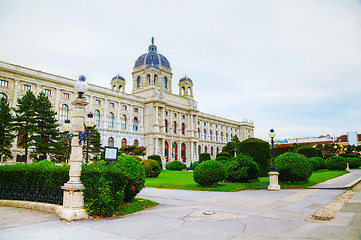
(89, 122)
(81, 86)
(272, 133)
(66, 126)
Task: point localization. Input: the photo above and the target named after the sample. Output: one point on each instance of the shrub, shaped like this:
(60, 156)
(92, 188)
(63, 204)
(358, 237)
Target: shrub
(209, 173)
(293, 167)
(136, 175)
(337, 163)
(230, 147)
(224, 154)
(354, 162)
(45, 162)
(321, 162)
(242, 169)
(224, 160)
(260, 151)
(151, 167)
(175, 165)
(308, 151)
(204, 157)
(104, 188)
(283, 148)
(195, 164)
(135, 157)
(157, 158)
(315, 163)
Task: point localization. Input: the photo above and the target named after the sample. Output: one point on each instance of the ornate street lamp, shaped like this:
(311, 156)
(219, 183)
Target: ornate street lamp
(272, 134)
(273, 174)
(73, 203)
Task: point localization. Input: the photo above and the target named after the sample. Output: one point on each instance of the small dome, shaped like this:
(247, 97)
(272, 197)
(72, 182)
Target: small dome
(152, 58)
(185, 78)
(118, 77)
(82, 78)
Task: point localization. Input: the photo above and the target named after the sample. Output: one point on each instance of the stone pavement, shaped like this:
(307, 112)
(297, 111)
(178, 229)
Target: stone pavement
(184, 214)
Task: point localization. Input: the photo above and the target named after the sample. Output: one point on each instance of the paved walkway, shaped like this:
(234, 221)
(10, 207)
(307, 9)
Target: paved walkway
(344, 181)
(184, 214)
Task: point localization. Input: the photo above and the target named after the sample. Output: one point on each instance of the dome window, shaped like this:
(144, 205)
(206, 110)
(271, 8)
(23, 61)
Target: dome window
(164, 60)
(140, 59)
(152, 57)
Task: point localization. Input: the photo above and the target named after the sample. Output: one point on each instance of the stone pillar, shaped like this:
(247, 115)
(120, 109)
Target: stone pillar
(273, 179)
(73, 202)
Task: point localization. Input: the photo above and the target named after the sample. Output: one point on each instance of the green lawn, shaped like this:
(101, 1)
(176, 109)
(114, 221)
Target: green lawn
(136, 205)
(184, 180)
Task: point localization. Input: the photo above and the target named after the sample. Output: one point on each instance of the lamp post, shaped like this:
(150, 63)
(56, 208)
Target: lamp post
(273, 174)
(73, 202)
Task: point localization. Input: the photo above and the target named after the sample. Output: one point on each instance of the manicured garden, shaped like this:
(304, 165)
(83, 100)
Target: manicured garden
(184, 180)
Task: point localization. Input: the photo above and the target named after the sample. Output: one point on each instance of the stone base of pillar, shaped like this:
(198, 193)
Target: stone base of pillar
(73, 203)
(348, 167)
(71, 214)
(273, 179)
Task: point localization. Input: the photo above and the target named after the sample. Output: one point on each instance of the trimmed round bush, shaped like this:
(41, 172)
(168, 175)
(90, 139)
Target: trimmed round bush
(337, 163)
(136, 174)
(209, 173)
(195, 164)
(293, 167)
(156, 158)
(175, 165)
(354, 162)
(223, 159)
(204, 157)
(321, 161)
(224, 154)
(308, 151)
(45, 162)
(151, 167)
(260, 151)
(315, 163)
(135, 157)
(242, 169)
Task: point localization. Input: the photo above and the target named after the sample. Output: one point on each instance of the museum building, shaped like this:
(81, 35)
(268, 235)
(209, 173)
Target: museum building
(168, 124)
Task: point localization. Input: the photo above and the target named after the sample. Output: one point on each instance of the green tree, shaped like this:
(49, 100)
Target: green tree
(134, 150)
(236, 140)
(6, 130)
(230, 146)
(46, 137)
(92, 146)
(24, 120)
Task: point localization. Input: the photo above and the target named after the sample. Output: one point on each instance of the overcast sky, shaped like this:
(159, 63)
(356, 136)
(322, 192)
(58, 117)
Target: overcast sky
(294, 66)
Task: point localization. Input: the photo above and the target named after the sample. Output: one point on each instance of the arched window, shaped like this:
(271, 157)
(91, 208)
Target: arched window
(183, 152)
(166, 151)
(183, 91)
(124, 142)
(189, 91)
(166, 125)
(205, 149)
(64, 113)
(226, 137)
(110, 142)
(148, 78)
(216, 136)
(199, 150)
(217, 150)
(175, 127)
(155, 79)
(138, 82)
(210, 135)
(111, 120)
(221, 136)
(136, 143)
(199, 133)
(205, 134)
(135, 124)
(212, 151)
(3, 95)
(124, 122)
(97, 118)
(165, 82)
(183, 129)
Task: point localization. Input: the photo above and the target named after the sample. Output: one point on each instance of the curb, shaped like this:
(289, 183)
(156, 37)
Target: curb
(46, 207)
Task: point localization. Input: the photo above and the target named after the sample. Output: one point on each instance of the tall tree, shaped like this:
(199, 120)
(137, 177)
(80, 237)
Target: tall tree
(25, 120)
(46, 138)
(92, 146)
(6, 130)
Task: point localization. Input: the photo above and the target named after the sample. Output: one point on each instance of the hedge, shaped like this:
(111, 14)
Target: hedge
(293, 167)
(308, 151)
(175, 165)
(151, 167)
(157, 158)
(242, 169)
(209, 173)
(204, 157)
(337, 163)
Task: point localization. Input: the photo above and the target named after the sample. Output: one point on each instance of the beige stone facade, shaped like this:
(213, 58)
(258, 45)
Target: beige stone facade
(168, 124)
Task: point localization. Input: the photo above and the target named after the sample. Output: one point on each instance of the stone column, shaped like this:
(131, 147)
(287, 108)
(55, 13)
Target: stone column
(73, 202)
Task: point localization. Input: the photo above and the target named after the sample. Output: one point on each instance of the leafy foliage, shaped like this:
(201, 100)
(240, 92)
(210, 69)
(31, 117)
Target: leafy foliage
(134, 150)
(204, 157)
(315, 163)
(230, 148)
(242, 169)
(308, 151)
(260, 151)
(282, 148)
(175, 165)
(224, 154)
(337, 163)
(151, 167)
(293, 167)
(354, 162)
(321, 161)
(92, 146)
(6, 130)
(195, 164)
(209, 173)
(157, 158)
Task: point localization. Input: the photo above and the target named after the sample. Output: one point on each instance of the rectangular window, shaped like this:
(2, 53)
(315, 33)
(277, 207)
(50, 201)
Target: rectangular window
(125, 107)
(166, 113)
(26, 87)
(97, 102)
(135, 109)
(4, 83)
(66, 95)
(47, 92)
(111, 105)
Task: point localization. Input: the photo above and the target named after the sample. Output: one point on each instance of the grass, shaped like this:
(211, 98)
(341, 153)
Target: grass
(136, 205)
(184, 180)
